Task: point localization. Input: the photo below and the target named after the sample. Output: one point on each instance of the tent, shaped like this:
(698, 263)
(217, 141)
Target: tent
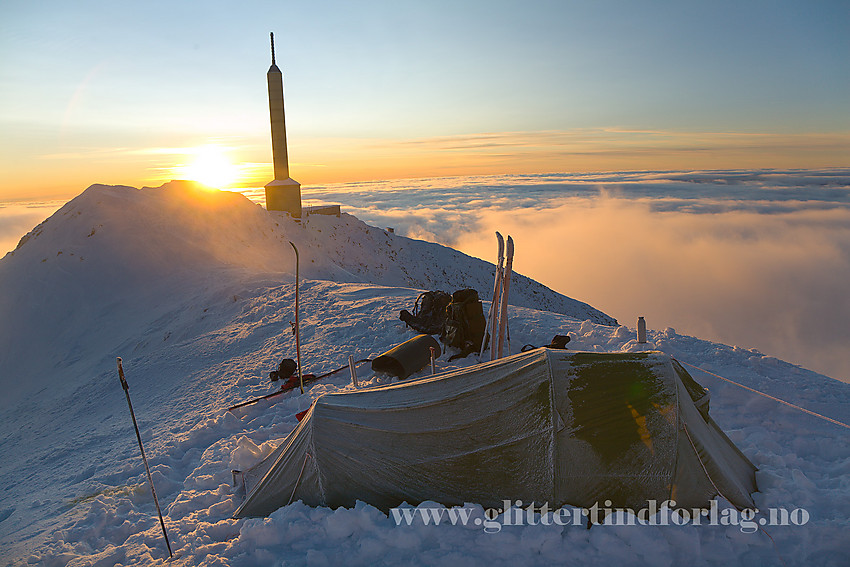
(547, 425)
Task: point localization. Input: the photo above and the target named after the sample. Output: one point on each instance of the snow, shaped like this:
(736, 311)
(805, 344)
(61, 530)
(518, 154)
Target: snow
(195, 291)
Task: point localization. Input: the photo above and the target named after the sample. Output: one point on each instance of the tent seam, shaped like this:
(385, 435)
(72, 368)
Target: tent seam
(298, 481)
(315, 459)
(679, 425)
(552, 410)
(705, 470)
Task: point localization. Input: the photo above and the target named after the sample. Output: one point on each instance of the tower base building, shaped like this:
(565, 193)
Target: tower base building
(284, 195)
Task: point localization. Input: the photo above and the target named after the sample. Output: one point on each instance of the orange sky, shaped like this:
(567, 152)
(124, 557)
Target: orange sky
(327, 160)
(398, 90)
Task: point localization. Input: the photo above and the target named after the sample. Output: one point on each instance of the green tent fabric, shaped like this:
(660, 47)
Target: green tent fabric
(547, 425)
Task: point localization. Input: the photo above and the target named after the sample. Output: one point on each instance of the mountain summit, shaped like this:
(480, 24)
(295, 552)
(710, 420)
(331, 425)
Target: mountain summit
(116, 257)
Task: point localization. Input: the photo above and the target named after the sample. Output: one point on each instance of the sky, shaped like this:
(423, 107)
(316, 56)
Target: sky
(141, 93)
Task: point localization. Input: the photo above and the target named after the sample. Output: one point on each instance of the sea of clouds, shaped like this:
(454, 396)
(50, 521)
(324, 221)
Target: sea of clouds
(758, 259)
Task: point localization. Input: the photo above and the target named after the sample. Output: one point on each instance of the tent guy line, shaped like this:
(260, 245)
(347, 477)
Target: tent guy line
(789, 404)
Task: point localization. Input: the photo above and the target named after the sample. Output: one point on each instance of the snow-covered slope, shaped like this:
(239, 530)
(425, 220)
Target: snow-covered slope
(199, 304)
(117, 256)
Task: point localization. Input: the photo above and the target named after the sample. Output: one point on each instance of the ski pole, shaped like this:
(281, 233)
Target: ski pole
(297, 325)
(255, 400)
(142, 449)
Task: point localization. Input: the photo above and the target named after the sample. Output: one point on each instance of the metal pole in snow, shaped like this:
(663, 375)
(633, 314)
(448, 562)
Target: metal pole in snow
(142, 449)
(353, 370)
(297, 323)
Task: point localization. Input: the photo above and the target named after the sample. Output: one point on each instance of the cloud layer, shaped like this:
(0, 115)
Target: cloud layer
(757, 259)
(17, 219)
(774, 282)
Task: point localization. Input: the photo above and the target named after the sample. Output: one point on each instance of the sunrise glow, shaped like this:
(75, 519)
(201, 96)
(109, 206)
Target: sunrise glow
(211, 166)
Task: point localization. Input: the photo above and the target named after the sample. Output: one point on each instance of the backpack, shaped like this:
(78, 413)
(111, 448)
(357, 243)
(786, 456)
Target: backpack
(429, 312)
(285, 369)
(465, 323)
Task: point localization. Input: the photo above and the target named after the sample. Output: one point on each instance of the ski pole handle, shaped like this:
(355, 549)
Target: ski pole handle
(121, 376)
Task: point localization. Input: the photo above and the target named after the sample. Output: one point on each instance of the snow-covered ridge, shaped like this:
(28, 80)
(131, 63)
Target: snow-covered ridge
(131, 253)
(183, 226)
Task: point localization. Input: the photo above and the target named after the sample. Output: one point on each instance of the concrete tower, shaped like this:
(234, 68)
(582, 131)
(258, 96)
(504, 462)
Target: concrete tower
(284, 193)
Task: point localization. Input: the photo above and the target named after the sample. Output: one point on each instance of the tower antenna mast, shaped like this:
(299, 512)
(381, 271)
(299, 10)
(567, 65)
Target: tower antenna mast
(284, 193)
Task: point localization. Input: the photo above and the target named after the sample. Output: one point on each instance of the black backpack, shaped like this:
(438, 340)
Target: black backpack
(285, 369)
(465, 322)
(429, 312)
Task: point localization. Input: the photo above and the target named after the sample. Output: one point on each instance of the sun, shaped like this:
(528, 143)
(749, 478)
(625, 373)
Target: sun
(212, 167)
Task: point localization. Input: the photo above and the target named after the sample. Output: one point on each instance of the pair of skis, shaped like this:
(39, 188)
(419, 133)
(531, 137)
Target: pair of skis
(497, 317)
